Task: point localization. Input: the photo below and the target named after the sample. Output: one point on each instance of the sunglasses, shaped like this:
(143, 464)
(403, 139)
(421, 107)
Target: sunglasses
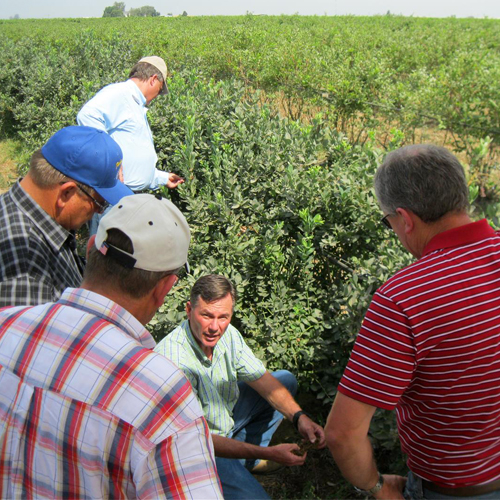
(385, 222)
(101, 206)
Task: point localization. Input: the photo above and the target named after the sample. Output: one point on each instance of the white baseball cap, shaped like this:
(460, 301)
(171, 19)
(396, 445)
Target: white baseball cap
(157, 229)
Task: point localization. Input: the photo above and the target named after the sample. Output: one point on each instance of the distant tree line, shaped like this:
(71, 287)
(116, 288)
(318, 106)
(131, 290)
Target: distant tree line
(118, 10)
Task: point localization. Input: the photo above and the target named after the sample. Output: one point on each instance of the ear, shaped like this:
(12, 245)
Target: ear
(66, 192)
(162, 288)
(152, 80)
(90, 244)
(188, 309)
(408, 219)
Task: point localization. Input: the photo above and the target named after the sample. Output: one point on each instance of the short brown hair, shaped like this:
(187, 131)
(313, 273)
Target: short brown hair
(212, 287)
(144, 71)
(135, 283)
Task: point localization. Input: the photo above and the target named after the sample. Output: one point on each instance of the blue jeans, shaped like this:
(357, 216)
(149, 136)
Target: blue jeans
(415, 490)
(255, 422)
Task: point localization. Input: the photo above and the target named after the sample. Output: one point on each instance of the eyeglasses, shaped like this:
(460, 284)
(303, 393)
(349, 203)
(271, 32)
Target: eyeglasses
(183, 271)
(385, 222)
(101, 206)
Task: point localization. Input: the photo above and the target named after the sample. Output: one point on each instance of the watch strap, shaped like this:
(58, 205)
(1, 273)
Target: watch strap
(295, 418)
(375, 489)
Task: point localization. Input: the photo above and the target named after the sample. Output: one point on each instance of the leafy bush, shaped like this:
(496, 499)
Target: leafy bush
(283, 209)
(44, 84)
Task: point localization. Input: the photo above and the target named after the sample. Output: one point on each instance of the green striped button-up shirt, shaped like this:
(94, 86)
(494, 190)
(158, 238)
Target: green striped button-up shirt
(214, 382)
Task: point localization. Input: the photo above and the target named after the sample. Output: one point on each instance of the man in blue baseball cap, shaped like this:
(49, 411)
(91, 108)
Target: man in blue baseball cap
(69, 179)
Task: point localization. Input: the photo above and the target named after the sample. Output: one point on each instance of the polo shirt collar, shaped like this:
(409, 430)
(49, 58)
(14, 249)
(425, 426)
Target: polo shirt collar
(104, 308)
(460, 236)
(137, 95)
(54, 233)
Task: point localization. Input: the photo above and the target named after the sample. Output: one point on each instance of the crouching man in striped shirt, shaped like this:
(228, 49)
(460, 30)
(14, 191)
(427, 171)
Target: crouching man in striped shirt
(242, 401)
(429, 345)
(87, 408)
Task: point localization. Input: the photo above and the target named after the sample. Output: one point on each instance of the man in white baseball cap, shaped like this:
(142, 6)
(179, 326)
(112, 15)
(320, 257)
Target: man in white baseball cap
(92, 383)
(120, 109)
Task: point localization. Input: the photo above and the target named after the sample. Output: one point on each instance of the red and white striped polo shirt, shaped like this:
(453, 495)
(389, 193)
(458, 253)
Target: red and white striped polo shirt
(429, 346)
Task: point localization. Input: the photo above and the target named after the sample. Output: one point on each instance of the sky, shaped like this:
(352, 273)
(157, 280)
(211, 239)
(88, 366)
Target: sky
(94, 8)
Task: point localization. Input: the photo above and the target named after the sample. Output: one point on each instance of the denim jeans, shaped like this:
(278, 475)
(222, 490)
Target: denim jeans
(255, 422)
(415, 490)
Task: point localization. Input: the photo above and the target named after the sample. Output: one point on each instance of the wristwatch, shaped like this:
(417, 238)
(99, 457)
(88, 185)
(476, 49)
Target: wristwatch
(295, 418)
(375, 489)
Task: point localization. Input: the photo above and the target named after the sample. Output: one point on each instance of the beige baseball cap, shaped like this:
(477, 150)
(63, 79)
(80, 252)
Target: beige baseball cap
(158, 231)
(159, 64)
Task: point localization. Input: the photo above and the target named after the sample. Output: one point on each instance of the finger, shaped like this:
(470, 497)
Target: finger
(300, 460)
(321, 436)
(310, 434)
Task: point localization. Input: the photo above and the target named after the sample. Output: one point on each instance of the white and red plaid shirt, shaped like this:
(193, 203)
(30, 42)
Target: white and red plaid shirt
(87, 409)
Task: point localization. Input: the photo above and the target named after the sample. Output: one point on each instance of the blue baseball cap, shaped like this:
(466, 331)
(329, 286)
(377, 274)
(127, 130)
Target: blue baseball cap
(89, 156)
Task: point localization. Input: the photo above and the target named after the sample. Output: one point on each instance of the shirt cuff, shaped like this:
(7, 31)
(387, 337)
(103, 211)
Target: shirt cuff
(160, 179)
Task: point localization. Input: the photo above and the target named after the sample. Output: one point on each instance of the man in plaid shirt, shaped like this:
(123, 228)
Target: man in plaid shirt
(70, 178)
(87, 408)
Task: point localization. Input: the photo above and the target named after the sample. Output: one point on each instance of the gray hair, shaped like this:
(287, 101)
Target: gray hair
(210, 288)
(426, 179)
(144, 71)
(44, 175)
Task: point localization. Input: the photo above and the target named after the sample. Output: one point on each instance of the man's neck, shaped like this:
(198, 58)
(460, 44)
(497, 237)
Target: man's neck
(136, 307)
(45, 197)
(141, 85)
(445, 223)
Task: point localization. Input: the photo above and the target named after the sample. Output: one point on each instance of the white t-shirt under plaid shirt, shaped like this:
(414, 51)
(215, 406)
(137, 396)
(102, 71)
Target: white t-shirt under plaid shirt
(214, 382)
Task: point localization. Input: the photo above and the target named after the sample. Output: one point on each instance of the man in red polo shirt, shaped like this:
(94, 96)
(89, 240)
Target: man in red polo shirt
(429, 345)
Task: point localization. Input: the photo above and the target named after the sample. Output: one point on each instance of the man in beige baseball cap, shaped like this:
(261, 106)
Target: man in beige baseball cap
(120, 109)
(128, 414)
(160, 65)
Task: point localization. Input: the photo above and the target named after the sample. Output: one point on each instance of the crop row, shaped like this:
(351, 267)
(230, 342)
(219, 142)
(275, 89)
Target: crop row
(284, 207)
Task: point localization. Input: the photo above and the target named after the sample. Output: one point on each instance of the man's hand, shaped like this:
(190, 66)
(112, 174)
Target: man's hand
(311, 431)
(282, 453)
(392, 488)
(174, 180)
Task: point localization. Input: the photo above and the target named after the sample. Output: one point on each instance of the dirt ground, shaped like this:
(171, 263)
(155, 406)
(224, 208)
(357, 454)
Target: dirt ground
(319, 477)
(8, 168)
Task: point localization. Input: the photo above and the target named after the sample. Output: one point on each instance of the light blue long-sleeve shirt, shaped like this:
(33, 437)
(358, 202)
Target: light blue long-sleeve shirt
(120, 110)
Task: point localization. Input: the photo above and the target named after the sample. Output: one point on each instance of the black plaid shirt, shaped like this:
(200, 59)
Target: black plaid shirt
(38, 258)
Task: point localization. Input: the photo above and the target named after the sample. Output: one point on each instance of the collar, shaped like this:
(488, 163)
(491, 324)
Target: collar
(104, 308)
(137, 95)
(459, 236)
(54, 233)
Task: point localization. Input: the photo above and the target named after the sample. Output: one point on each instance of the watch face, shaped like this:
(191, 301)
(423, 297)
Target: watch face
(373, 490)
(378, 486)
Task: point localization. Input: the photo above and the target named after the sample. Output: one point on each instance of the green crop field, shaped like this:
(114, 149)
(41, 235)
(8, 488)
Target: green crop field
(277, 124)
